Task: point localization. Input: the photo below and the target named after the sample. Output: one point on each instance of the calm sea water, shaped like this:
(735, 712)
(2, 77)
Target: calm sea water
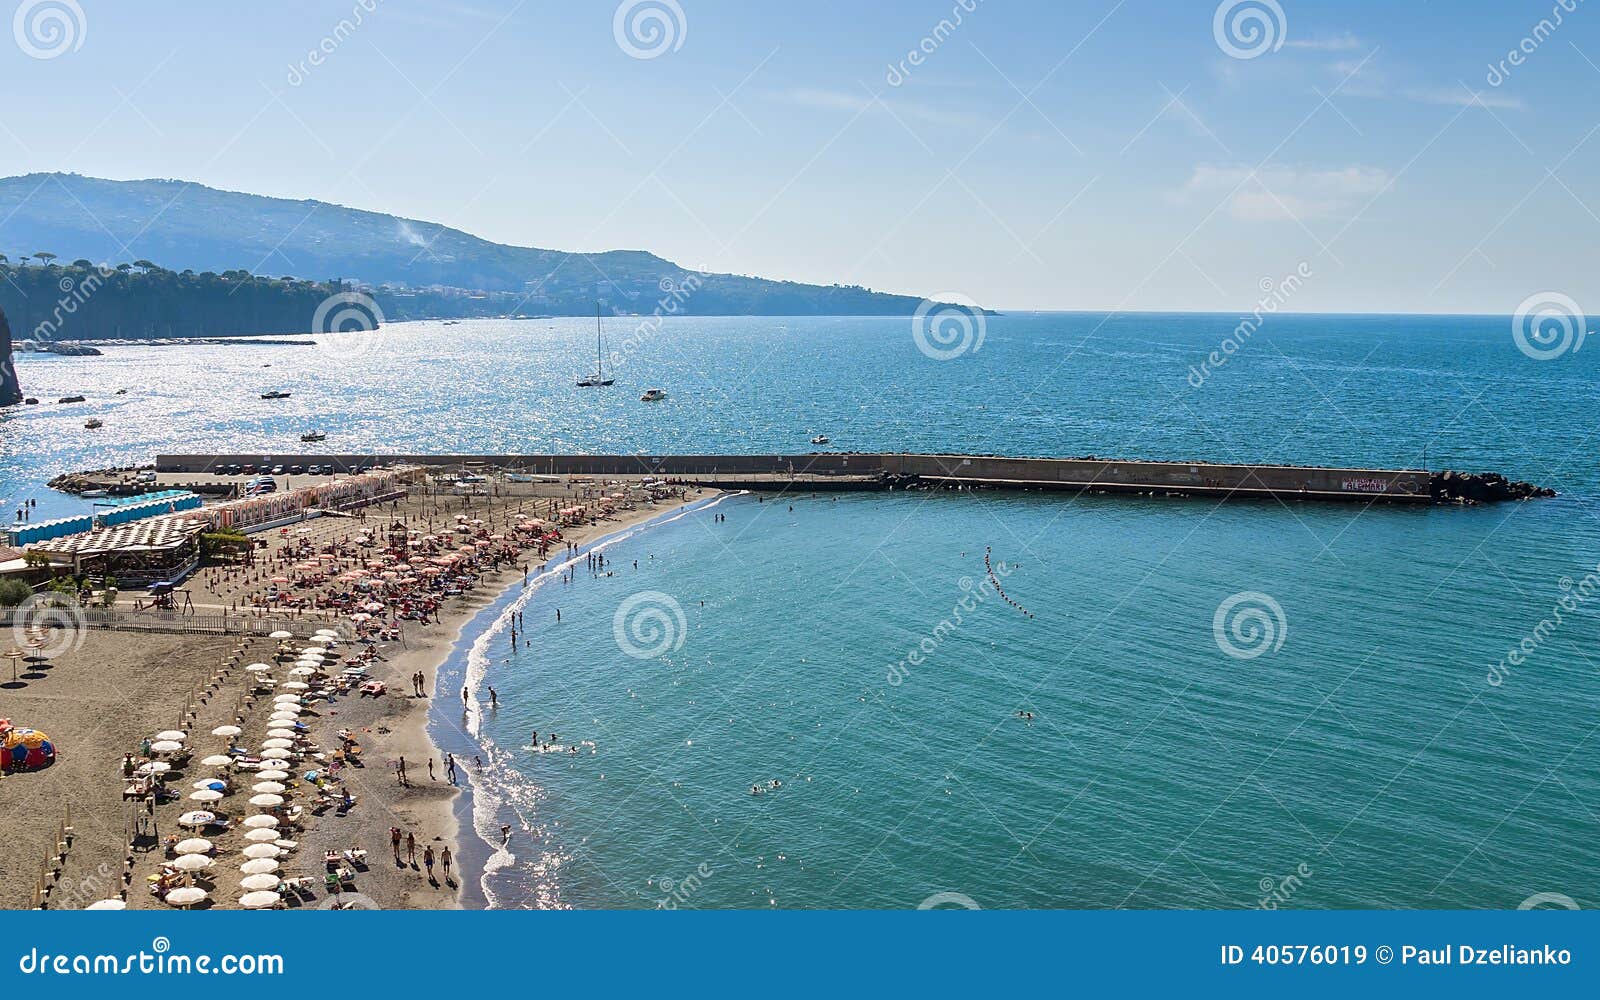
(1363, 752)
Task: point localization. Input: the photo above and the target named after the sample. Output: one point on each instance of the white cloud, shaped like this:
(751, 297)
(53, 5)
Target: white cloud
(1344, 42)
(1280, 193)
(863, 103)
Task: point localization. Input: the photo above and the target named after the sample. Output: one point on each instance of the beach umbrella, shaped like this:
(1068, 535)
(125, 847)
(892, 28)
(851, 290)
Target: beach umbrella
(155, 767)
(259, 866)
(268, 787)
(227, 731)
(198, 817)
(165, 746)
(276, 754)
(262, 851)
(284, 708)
(258, 668)
(211, 783)
(266, 800)
(261, 822)
(192, 863)
(280, 734)
(260, 883)
(107, 904)
(322, 640)
(277, 744)
(302, 671)
(205, 795)
(280, 634)
(194, 845)
(173, 735)
(186, 896)
(327, 631)
(290, 698)
(296, 686)
(259, 900)
(272, 775)
(262, 836)
(217, 760)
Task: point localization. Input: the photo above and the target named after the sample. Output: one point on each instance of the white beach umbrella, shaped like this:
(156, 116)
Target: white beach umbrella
(277, 744)
(192, 863)
(302, 671)
(262, 851)
(107, 904)
(260, 883)
(262, 836)
(204, 783)
(327, 631)
(280, 634)
(267, 788)
(322, 640)
(173, 735)
(198, 817)
(227, 731)
(205, 795)
(266, 800)
(296, 686)
(165, 746)
(194, 845)
(262, 822)
(259, 900)
(217, 760)
(186, 896)
(155, 767)
(283, 719)
(280, 734)
(280, 699)
(258, 668)
(276, 754)
(272, 774)
(284, 708)
(259, 866)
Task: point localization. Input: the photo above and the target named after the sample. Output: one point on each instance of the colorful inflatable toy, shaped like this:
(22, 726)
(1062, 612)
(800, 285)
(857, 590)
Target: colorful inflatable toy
(23, 749)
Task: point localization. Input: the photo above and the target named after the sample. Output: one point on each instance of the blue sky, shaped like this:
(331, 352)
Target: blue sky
(1050, 155)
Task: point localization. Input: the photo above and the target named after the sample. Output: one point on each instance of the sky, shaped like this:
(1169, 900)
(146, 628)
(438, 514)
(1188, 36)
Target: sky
(1102, 154)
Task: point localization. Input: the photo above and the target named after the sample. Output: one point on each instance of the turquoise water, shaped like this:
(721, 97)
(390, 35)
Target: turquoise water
(1363, 752)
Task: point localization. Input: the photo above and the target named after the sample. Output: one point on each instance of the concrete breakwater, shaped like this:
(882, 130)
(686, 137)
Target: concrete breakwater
(862, 471)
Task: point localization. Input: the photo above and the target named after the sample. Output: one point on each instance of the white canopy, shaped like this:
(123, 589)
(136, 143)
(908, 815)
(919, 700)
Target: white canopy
(261, 822)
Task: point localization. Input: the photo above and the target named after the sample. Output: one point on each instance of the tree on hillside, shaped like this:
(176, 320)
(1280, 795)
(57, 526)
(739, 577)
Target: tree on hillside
(46, 256)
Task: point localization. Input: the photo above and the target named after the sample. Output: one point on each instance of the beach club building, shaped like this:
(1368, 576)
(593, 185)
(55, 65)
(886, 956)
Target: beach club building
(136, 554)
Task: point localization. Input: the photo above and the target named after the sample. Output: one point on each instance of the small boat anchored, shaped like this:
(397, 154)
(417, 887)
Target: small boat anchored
(93, 423)
(822, 439)
(276, 394)
(653, 396)
(314, 436)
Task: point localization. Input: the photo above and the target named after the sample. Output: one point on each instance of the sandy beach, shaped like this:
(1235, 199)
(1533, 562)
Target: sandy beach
(104, 692)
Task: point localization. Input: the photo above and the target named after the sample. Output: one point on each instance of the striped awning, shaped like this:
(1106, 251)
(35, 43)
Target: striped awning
(153, 535)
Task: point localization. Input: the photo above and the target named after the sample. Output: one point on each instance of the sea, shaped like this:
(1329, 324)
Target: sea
(995, 700)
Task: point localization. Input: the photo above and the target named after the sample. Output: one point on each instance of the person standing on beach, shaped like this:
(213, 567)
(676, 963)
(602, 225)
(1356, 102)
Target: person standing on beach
(444, 859)
(430, 770)
(401, 767)
(394, 842)
(411, 848)
(450, 766)
(427, 860)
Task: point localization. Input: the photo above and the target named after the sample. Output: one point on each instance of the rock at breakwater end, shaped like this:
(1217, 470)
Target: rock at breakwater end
(1481, 487)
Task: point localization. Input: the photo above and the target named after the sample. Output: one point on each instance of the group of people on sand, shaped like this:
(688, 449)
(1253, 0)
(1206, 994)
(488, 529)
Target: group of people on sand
(408, 841)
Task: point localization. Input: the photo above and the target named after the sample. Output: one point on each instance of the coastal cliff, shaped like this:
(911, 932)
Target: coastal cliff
(10, 391)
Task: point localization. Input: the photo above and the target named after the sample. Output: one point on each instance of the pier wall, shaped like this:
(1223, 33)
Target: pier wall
(858, 471)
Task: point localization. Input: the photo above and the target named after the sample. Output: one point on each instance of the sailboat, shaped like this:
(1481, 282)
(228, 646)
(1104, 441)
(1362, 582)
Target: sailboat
(599, 376)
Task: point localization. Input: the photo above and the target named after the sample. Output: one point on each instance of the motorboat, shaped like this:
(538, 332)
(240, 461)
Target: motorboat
(276, 394)
(314, 436)
(821, 439)
(94, 423)
(653, 396)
